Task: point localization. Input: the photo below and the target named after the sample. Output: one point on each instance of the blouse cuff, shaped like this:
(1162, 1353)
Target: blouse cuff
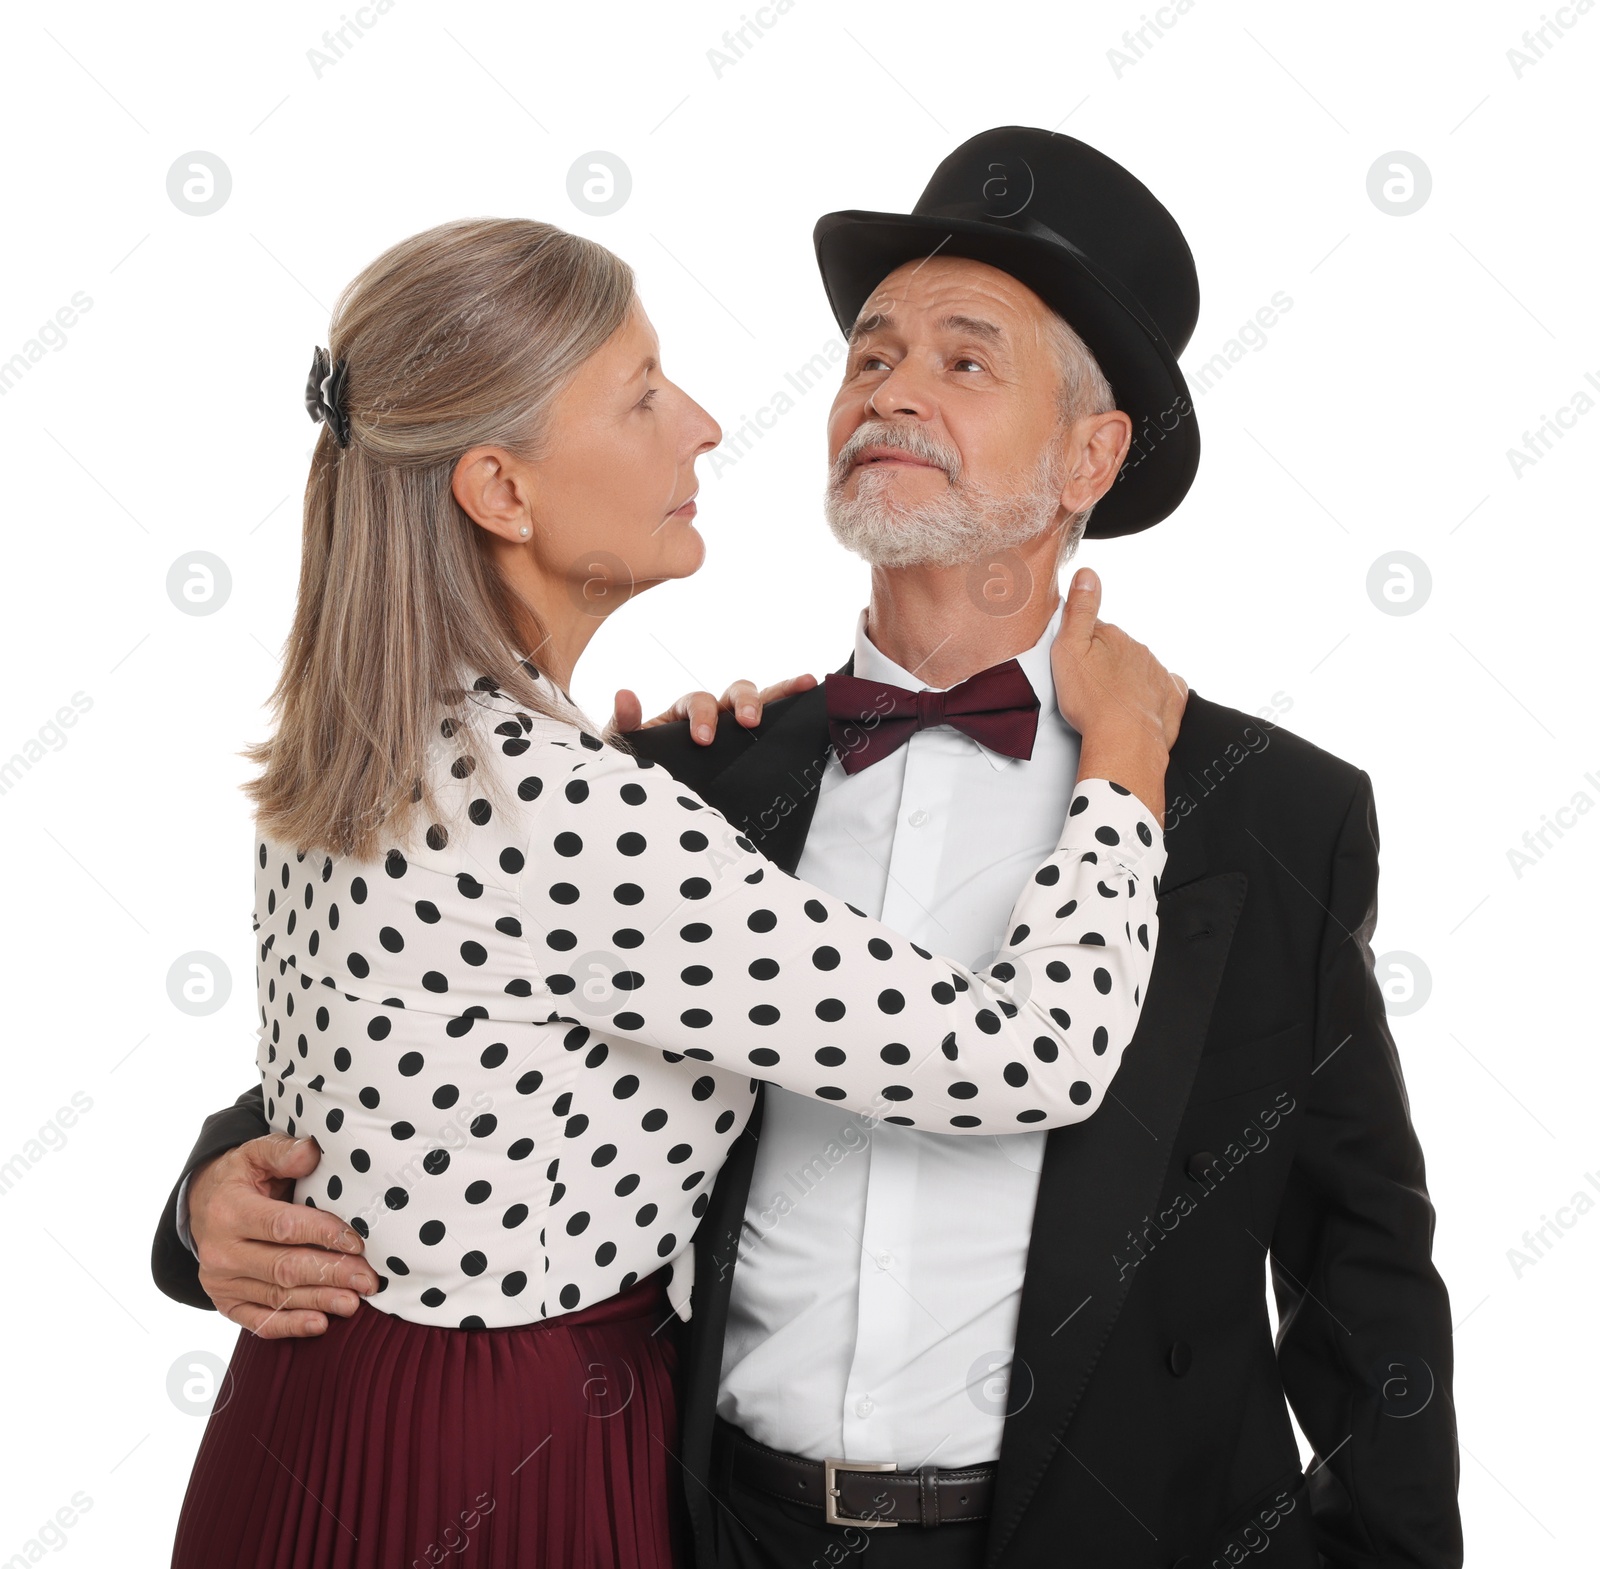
(1112, 821)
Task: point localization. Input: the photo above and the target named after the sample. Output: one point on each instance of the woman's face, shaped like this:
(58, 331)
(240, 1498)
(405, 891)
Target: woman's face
(612, 500)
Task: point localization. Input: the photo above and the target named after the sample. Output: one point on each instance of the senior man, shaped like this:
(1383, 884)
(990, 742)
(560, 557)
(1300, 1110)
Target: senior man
(1042, 1347)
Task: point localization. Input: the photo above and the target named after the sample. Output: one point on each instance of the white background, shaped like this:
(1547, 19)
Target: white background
(1376, 418)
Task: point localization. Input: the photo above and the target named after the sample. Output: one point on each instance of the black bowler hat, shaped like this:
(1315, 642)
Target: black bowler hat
(1092, 242)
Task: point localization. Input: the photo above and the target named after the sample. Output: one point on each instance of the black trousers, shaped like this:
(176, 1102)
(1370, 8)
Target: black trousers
(757, 1531)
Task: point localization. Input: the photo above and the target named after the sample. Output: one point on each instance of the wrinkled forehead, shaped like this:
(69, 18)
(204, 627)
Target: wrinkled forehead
(938, 288)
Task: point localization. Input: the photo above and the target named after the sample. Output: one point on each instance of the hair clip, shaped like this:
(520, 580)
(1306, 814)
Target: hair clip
(325, 394)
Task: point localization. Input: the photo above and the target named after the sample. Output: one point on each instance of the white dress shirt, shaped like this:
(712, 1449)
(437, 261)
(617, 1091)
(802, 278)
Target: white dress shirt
(874, 1305)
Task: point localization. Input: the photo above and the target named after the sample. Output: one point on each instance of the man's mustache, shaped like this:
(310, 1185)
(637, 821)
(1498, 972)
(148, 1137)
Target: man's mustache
(911, 439)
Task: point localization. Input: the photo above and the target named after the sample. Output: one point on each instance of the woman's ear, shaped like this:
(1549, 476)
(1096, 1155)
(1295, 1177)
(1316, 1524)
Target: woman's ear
(495, 489)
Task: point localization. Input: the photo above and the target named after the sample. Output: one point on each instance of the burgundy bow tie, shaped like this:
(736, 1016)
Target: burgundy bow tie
(867, 720)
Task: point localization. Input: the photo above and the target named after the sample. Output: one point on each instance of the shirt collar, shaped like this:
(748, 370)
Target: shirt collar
(872, 664)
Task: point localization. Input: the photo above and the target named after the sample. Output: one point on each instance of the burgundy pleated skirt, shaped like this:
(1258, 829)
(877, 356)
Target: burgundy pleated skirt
(385, 1444)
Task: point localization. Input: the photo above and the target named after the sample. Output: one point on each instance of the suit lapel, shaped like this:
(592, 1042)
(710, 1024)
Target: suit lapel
(770, 791)
(1101, 1179)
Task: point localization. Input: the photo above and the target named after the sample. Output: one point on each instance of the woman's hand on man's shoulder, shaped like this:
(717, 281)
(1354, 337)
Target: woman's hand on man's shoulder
(744, 700)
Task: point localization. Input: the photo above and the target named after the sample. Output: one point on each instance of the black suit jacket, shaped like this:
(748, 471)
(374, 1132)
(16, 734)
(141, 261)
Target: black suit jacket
(1259, 1114)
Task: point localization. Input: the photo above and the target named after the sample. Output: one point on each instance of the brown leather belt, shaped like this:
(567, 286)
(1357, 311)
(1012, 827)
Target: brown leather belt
(865, 1493)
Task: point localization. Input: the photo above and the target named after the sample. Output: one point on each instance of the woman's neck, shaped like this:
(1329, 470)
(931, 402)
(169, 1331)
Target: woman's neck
(554, 628)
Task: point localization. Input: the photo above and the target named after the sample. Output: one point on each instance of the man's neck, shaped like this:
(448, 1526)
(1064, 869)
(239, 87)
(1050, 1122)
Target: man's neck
(944, 624)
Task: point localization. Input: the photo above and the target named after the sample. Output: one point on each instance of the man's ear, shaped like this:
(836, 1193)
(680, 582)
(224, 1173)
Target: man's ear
(1096, 444)
(495, 489)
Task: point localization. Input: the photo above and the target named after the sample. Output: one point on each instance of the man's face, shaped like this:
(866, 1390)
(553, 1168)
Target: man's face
(946, 438)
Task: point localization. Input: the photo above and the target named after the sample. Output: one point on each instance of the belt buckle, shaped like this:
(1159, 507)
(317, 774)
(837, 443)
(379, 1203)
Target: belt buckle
(830, 1492)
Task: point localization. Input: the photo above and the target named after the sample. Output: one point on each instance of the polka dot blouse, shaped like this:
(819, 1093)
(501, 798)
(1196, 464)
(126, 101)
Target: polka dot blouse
(525, 1040)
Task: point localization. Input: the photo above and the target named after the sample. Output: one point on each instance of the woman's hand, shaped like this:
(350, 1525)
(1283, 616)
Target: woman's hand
(1118, 696)
(744, 700)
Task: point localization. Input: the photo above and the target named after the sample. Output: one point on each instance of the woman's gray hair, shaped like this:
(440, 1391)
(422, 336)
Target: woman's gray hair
(461, 336)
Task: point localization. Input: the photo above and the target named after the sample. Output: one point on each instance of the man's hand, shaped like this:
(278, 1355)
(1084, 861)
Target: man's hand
(743, 700)
(274, 1267)
(1117, 695)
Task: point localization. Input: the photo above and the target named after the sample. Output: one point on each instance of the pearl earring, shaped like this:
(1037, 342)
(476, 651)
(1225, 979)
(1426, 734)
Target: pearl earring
(524, 530)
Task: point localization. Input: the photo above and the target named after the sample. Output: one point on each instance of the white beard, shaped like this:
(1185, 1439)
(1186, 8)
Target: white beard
(963, 524)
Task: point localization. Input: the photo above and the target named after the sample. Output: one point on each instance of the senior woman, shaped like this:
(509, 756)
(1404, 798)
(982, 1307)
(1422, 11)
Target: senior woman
(519, 985)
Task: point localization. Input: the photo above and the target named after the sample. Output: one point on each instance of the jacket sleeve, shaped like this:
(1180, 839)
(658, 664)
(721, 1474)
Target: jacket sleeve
(174, 1266)
(1364, 1340)
(651, 917)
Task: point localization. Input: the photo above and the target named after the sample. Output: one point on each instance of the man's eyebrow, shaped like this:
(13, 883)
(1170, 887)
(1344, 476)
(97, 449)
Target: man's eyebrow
(877, 321)
(972, 326)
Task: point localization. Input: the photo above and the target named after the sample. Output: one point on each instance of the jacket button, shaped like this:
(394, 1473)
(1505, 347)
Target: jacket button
(1179, 1358)
(1200, 1164)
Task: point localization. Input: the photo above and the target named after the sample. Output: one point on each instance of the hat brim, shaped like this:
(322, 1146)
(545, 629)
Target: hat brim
(856, 251)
